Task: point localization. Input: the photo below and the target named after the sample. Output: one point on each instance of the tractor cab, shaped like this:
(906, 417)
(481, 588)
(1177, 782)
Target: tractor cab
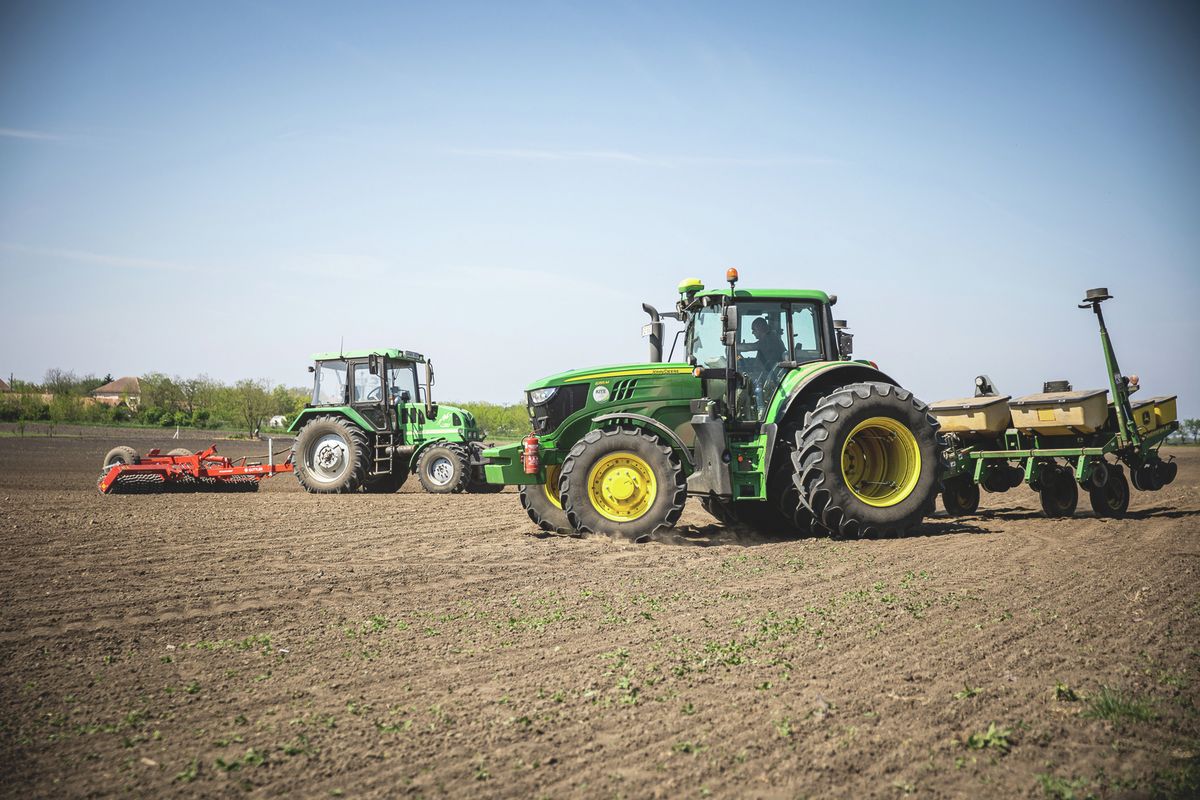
(382, 386)
(744, 342)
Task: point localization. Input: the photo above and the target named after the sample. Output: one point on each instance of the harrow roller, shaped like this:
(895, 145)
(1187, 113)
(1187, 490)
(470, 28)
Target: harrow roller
(182, 471)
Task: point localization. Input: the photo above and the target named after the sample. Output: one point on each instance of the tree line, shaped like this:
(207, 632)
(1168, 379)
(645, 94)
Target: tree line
(165, 401)
(200, 402)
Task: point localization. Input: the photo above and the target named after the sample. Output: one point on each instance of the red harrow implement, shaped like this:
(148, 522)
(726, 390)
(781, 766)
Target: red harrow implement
(126, 472)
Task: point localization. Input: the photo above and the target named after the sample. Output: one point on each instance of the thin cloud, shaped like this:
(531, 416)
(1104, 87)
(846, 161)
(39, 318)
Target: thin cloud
(85, 257)
(618, 156)
(37, 136)
(521, 154)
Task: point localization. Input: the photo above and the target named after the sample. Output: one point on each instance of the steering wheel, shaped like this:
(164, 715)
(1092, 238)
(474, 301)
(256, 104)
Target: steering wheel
(374, 394)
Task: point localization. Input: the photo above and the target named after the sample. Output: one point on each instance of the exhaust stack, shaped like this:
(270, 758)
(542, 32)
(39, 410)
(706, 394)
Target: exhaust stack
(654, 329)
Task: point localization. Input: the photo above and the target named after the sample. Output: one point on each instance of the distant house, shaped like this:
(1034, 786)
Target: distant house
(123, 390)
(278, 421)
(4, 387)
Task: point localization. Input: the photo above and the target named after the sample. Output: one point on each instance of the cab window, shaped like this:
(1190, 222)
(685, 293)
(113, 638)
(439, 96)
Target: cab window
(329, 388)
(367, 387)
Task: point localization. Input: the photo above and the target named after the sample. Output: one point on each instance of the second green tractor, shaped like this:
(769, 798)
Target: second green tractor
(371, 423)
(767, 420)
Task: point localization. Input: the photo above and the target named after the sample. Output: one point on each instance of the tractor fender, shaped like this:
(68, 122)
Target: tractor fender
(309, 414)
(642, 421)
(820, 381)
(421, 448)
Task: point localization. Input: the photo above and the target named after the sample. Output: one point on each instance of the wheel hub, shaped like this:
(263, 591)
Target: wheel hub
(441, 471)
(881, 461)
(329, 456)
(622, 487)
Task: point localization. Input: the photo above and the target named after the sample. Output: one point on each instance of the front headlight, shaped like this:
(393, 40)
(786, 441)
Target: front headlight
(541, 396)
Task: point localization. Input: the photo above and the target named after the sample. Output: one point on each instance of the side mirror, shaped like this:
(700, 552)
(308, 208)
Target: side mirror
(845, 343)
(311, 368)
(729, 325)
(373, 364)
(429, 407)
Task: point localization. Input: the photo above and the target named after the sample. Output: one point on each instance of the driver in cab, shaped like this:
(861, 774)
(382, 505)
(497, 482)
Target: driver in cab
(767, 345)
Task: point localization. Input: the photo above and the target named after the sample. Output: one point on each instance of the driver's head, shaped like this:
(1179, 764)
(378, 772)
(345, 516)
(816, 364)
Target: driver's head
(759, 327)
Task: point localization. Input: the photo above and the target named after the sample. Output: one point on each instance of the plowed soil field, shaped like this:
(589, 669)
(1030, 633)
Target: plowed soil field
(284, 644)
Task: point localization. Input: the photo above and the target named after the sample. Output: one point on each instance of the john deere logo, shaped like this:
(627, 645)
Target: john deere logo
(600, 394)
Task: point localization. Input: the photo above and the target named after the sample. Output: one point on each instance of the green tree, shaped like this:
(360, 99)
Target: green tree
(253, 403)
(1192, 426)
(196, 394)
(288, 401)
(160, 394)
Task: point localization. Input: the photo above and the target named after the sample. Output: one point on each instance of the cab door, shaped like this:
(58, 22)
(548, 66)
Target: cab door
(367, 393)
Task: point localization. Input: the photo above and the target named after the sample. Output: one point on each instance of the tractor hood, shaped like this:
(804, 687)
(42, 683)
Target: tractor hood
(612, 372)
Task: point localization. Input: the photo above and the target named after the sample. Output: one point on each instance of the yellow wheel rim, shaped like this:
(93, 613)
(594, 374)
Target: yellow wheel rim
(621, 486)
(550, 487)
(881, 461)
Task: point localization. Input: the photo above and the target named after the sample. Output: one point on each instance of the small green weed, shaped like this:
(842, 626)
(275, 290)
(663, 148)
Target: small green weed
(993, 738)
(1113, 704)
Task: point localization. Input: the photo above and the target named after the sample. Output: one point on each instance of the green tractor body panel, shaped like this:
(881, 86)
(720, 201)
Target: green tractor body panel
(655, 396)
(391, 353)
(768, 294)
(307, 414)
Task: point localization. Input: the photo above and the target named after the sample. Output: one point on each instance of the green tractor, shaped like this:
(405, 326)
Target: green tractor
(768, 421)
(371, 423)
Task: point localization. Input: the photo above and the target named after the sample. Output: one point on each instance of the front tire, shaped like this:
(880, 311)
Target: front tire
(331, 456)
(444, 469)
(543, 503)
(622, 482)
(866, 460)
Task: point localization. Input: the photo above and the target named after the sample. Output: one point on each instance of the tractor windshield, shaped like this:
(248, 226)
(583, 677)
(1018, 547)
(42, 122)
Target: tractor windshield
(329, 387)
(402, 378)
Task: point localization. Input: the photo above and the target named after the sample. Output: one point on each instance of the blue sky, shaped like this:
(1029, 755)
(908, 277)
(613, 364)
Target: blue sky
(227, 188)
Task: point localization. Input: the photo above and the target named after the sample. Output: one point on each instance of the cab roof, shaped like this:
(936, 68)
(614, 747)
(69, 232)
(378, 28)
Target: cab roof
(768, 294)
(392, 353)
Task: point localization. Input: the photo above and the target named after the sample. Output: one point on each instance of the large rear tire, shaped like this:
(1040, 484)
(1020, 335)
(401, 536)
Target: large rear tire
(543, 503)
(331, 456)
(623, 482)
(444, 469)
(866, 460)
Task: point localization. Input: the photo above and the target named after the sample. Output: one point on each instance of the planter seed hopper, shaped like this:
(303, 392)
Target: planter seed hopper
(1058, 441)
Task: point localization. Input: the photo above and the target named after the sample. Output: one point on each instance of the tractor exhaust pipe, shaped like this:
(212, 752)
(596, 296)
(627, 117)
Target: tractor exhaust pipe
(655, 331)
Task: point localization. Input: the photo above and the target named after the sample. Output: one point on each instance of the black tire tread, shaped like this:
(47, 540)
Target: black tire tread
(356, 476)
(677, 493)
(460, 454)
(813, 475)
